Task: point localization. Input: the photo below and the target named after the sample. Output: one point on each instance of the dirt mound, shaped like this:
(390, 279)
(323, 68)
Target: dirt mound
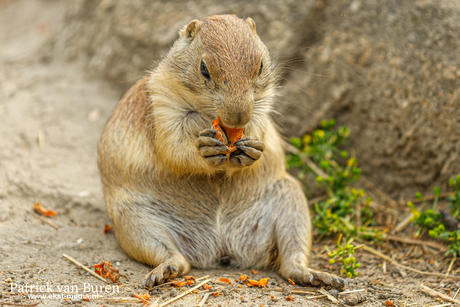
(389, 71)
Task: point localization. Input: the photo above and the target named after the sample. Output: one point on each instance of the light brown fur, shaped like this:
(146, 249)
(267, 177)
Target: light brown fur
(176, 206)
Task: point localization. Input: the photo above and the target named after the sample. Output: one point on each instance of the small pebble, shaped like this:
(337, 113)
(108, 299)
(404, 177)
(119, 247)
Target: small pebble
(334, 293)
(173, 292)
(286, 290)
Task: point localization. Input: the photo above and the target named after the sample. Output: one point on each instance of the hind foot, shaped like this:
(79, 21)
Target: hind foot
(168, 269)
(315, 278)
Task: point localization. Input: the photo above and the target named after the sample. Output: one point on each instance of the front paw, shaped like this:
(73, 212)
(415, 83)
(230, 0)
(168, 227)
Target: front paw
(213, 151)
(249, 150)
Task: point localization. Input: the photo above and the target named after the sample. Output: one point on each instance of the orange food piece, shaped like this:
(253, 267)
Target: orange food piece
(263, 282)
(291, 282)
(290, 298)
(107, 228)
(215, 294)
(260, 283)
(145, 297)
(240, 286)
(272, 297)
(105, 269)
(39, 209)
(224, 280)
(389, 303)
(188, 277)
(85, 298)
(243, 277)
(233, 134)
(179, 284)
(206, 287)
(67, 299)
(253, 283)
(255, 272)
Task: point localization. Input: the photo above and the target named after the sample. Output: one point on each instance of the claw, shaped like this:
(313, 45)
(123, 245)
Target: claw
(253, 153)
(251, 142)
(208, 132)
(207, 151)
(208, 141)
(245, 160)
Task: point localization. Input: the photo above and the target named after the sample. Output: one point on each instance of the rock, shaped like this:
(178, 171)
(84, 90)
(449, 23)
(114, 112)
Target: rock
(390, 72)
(353, 299)
(286, 290)
(173, 292)
(334, 293)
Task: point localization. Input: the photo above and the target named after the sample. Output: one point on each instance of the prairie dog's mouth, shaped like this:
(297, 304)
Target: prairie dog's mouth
(228, 135)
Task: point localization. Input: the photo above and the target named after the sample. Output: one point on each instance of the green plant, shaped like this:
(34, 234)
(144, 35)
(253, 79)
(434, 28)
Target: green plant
(346, 210)
(438, 223)
(344, 253)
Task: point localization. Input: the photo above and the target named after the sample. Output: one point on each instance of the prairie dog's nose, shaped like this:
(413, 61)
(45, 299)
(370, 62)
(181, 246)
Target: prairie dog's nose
(237, 119)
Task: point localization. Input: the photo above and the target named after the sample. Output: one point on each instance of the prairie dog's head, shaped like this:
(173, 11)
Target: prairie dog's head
(225, 67)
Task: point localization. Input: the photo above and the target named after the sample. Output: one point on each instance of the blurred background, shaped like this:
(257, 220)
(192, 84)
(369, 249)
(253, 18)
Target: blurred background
(389, 70)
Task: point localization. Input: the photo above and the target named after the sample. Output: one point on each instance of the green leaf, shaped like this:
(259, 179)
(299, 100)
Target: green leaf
(296, 142)
(437, 191)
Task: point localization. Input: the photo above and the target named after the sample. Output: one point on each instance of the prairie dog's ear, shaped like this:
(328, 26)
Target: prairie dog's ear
(191, 30)
(252, 24)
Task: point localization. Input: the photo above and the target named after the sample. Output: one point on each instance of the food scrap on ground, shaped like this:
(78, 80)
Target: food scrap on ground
(107, 228)
(224, 280)
(105, 269)
(45, 212)
(179, 284)
(144, 297)
(290, 298)
(255, 272)
(291, 282)
(206, 287)
(258, 283)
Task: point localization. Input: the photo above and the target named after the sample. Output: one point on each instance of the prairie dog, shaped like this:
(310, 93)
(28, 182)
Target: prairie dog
(176, 196)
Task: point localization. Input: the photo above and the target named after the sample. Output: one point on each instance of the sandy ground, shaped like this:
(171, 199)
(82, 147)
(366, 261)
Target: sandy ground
(52, 116)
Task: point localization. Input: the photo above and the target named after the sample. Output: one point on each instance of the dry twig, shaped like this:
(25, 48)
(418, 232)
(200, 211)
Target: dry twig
(437, 294)
(185, 293)
(403, 224)
(435, 245)
(41, 218)
(16, 304)
(341, 293)
(394, 262)
(204, 299)
(451, 265)
(328, 296)
(84, 267)
(432, 197)
(379, 193)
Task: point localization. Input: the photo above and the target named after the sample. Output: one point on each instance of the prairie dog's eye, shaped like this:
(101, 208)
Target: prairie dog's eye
(204, 71)
(260, 69)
